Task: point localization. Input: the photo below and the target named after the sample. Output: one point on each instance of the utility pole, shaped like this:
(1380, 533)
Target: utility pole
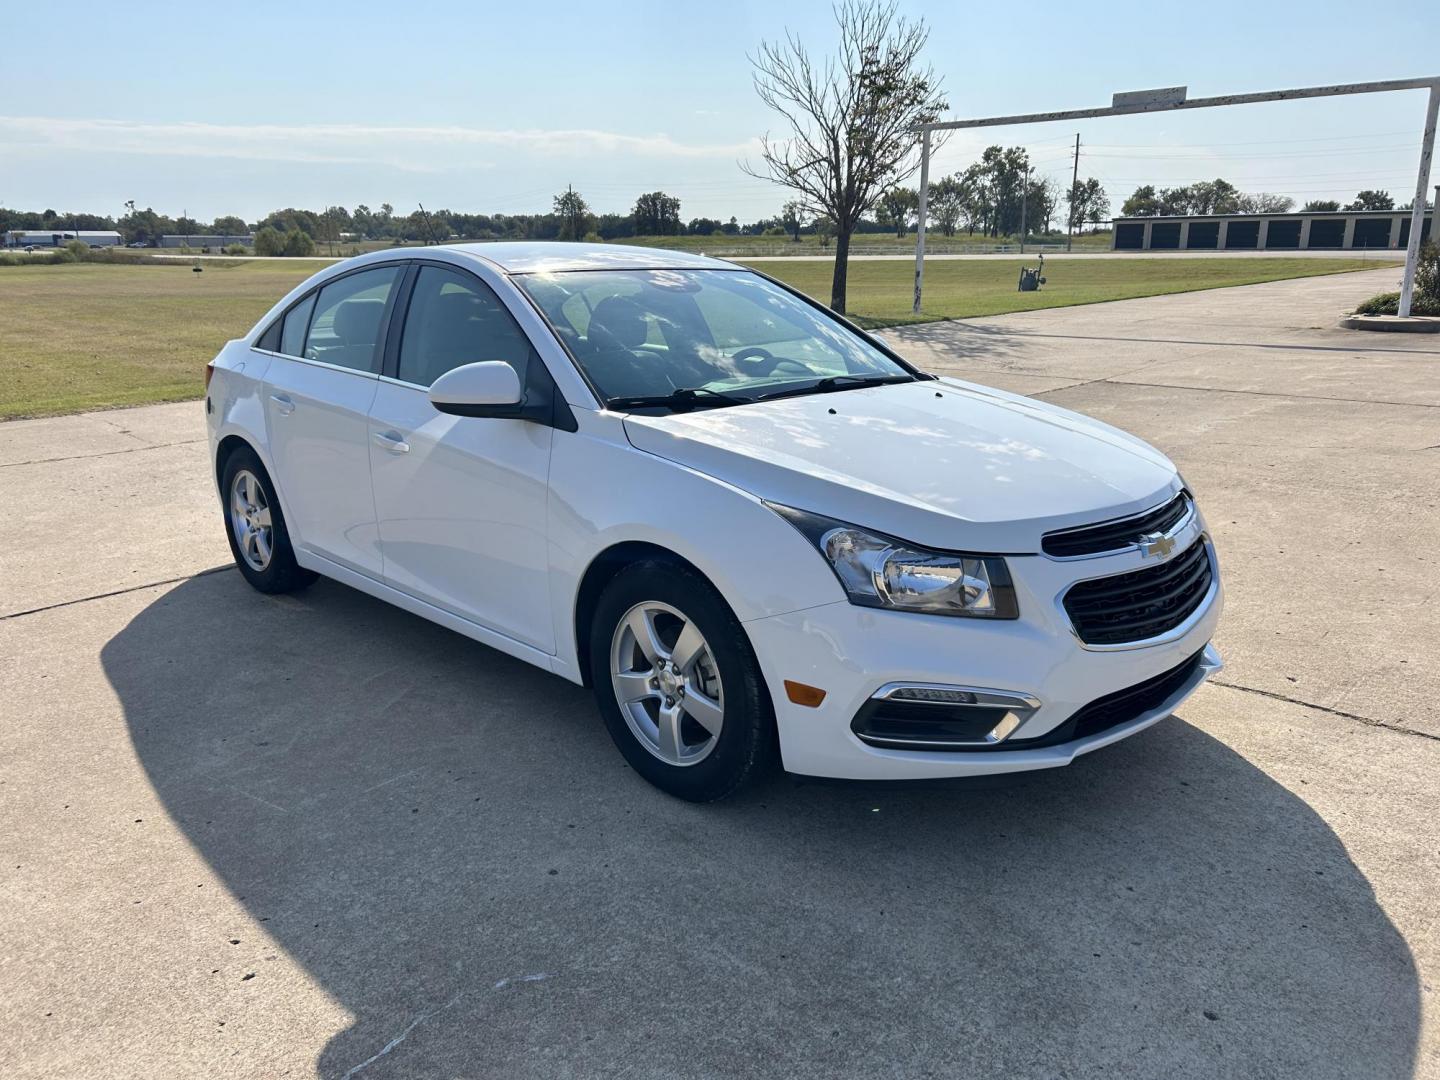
(1074, 182)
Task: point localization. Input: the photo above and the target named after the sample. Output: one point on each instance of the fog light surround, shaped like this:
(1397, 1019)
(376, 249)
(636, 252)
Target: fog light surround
(930, 716)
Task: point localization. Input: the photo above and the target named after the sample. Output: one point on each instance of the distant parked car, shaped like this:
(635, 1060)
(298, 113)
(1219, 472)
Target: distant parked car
(747, 524)
(137, 244)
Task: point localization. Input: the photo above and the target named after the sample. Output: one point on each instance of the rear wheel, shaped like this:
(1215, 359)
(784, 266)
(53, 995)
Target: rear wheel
(255, 527)
(677, 683)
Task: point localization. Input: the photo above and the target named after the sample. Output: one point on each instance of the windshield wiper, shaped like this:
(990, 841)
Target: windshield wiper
(831, 383)
(686, 398)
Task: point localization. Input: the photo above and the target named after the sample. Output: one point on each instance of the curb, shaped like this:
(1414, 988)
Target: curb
(1411, 324)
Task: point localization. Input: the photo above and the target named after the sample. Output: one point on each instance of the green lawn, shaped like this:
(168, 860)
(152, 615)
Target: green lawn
(87, 336)
(881, 293)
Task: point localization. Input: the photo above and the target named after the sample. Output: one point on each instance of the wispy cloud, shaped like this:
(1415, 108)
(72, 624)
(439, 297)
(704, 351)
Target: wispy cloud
(420, 149)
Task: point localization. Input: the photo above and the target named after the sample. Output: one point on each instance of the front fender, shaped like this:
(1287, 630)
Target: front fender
(604, 492)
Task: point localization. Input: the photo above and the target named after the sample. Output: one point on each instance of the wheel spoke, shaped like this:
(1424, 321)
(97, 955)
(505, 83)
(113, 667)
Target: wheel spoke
(668, 719)
(263, 517)
(252, 495)
(247, 542)
(703, 710)
(262, 545)
(688, 646)
(633, 686)
(642, 625)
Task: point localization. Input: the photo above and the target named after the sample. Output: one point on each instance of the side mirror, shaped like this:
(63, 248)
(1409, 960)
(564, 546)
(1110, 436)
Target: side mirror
(490, 388)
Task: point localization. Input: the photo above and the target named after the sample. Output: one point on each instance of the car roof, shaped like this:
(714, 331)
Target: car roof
(530, 257)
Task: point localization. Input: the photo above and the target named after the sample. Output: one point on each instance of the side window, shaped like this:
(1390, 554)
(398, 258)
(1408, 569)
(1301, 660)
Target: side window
(348, 315)
(455, 319)
(292, 333)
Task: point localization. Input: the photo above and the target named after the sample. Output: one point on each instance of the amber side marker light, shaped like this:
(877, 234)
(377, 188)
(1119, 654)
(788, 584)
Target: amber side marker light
(800, 694)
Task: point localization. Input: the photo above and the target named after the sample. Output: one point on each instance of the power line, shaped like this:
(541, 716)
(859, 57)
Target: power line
(1266, 142)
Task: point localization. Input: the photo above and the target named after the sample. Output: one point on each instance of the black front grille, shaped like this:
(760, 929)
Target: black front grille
(1142, 603)
(1115, 535)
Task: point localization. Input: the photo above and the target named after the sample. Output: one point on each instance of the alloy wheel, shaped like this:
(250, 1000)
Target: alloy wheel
(667, 683)
(250, 520)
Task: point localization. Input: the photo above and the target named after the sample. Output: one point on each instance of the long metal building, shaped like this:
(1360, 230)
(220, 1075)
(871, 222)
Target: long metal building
(1316, 230)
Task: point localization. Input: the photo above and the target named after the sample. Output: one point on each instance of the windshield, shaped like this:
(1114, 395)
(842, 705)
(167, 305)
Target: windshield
(700, 338)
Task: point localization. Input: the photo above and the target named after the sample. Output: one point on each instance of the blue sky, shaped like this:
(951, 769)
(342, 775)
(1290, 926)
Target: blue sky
(478, 106)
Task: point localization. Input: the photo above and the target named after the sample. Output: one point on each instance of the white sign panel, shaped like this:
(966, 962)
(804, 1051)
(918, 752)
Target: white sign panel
(1166, 95)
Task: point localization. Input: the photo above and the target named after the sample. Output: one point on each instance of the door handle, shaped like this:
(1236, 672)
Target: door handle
(392, 441)
(283, 405)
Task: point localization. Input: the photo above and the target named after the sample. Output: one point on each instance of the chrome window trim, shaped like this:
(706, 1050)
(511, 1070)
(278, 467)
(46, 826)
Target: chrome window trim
(1180, 526)
(1175, 633)
(318, 363)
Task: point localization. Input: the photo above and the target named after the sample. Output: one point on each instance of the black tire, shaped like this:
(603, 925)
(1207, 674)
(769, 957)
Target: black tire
(281, 574)
(746, 746)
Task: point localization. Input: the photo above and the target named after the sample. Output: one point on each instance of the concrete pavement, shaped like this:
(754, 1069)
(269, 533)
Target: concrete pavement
(251, 836)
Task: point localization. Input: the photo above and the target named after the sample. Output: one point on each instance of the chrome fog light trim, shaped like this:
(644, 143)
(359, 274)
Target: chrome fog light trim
(942, 698)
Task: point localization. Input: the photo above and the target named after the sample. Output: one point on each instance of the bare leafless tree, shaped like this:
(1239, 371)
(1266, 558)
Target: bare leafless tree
(851, 116)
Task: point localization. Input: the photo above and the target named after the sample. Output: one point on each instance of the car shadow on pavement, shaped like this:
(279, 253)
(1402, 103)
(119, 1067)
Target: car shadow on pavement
(448, 843)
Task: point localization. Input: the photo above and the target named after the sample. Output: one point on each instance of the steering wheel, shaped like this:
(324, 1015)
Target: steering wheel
(764, 362)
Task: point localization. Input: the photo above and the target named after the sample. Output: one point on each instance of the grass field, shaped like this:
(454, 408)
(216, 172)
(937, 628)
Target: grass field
(881, 293)
(86, 336)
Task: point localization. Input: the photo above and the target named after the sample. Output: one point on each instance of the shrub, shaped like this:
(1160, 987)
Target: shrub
(1427, 273)
(1426, 298)
(1388, 303)
(269, 242)
(593, 237)
(235, 249)
(298, 244)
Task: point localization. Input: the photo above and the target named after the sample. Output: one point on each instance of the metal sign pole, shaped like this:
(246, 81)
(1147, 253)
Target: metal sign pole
(1175, 97)
(1417, 215)
(920, 216)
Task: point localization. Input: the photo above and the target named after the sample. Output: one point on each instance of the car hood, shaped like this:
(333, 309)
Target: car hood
(943, 463)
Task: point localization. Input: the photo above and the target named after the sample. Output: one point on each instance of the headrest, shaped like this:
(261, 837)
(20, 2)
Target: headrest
(621, 318)
(357, 321)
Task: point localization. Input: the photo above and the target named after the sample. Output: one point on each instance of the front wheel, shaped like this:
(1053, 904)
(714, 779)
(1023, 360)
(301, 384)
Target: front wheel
(678, 684)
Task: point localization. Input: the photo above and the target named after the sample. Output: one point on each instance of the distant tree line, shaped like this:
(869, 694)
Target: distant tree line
(996, 196)
(1219, 196)
(298, 232)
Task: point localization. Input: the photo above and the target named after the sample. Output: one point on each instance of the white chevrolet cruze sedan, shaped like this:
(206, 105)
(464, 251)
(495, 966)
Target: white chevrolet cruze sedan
(751, 527)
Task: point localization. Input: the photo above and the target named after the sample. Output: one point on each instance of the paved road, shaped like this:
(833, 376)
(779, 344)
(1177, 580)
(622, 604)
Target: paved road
(249, 836)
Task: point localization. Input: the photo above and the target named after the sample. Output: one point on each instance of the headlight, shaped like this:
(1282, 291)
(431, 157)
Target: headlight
(880, 571)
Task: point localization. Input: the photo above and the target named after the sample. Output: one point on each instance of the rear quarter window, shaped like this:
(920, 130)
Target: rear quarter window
(294, 325)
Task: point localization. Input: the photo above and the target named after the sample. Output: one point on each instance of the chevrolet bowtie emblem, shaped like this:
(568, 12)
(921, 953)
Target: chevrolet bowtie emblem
(1156, 544)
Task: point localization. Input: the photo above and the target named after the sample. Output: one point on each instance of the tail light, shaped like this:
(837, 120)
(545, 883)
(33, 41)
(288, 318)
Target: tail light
(209, 374)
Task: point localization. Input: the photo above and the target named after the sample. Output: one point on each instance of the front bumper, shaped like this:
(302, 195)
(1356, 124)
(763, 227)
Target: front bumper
(853, 652)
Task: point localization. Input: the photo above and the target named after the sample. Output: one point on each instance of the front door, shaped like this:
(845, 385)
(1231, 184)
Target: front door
(461, 501)
(317, 403)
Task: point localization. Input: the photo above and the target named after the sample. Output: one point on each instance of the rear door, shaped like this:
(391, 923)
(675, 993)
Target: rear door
(461, 501)
(318, 394)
